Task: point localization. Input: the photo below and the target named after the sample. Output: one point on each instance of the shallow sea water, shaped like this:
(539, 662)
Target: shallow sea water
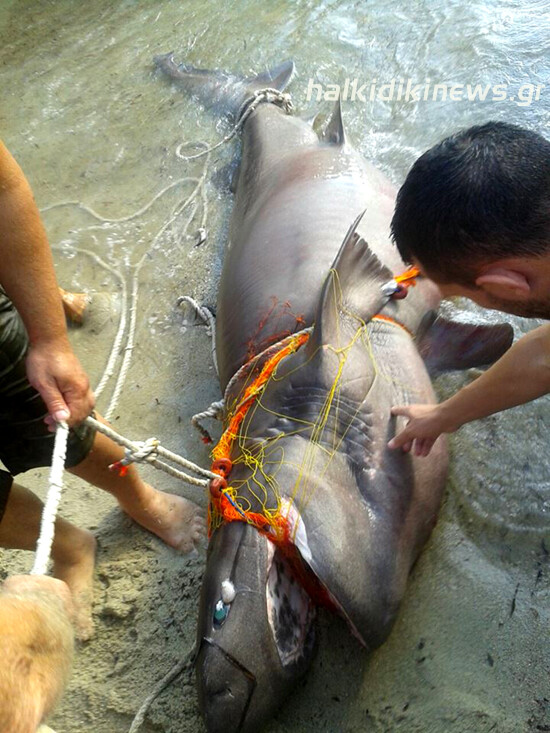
(90, 121)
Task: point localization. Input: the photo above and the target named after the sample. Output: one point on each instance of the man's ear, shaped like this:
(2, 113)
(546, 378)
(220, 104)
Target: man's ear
(504, 283)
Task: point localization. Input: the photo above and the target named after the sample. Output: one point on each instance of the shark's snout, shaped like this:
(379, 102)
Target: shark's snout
(256, 631)
(225, 689)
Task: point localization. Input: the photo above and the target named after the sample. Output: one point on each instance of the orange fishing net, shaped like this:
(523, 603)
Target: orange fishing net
(225, 504)
(222, 497)
(408, 278)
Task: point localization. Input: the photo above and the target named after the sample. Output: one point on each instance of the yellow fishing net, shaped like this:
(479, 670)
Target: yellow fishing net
(258, 499)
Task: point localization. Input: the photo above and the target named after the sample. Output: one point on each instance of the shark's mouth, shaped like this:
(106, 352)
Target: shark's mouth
(290, 610)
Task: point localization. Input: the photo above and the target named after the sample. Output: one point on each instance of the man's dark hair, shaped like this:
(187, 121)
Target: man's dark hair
(480, 195)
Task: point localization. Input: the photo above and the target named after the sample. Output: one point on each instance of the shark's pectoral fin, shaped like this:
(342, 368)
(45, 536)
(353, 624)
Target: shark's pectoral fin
(352, 292)
(449, 345)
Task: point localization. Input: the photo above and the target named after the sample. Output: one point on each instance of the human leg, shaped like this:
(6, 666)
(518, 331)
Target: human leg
(73, 550)
(174, 519)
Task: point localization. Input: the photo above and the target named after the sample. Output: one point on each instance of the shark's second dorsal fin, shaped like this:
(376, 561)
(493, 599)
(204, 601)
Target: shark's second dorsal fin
(352, 291)
(334, 131)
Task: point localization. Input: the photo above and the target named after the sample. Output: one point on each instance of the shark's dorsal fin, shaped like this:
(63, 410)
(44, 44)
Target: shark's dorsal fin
(352, 292)
(334, 131)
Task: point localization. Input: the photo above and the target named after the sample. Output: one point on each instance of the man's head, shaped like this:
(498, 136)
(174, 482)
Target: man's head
(474, 214)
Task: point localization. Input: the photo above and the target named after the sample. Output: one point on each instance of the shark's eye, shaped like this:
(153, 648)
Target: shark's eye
(220, 613)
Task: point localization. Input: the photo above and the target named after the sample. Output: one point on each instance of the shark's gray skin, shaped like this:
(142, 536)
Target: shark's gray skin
(363, 512)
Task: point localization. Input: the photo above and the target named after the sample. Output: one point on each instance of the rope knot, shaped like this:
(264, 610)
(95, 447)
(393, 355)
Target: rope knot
(216, 411)
(144, 449)
(274, 96)
(269, 95)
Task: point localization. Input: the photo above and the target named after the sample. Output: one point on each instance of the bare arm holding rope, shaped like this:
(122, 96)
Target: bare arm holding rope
(27, 275)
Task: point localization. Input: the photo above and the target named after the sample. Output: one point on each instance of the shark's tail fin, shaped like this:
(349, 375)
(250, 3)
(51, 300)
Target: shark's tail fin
(220, 90)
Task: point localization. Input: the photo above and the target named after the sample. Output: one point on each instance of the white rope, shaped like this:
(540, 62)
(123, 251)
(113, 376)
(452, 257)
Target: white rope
(273, 96)
(208, 318)
(215, 411)
(147, 452)
(176, 670)
(117, 343)
(47, 525)
(128, 349)
(130, 314)
(122, 219)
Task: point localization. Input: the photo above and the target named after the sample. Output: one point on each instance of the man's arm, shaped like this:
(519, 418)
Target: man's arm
(521, 375)
(28, 277)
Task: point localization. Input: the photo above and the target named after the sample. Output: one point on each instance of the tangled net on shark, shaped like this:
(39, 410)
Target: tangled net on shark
(259, 499)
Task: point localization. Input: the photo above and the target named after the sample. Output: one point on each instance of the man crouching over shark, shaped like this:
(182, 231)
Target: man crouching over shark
(311, 507)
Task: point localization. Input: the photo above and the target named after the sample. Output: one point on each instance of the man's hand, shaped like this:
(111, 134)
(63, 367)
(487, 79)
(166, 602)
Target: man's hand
(426, 423)
(54, 370)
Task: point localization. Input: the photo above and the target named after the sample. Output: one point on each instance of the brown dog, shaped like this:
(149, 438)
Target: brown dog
(36, 648)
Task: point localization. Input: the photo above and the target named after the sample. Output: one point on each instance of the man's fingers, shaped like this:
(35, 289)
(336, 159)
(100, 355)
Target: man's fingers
(57, 407)
(404, 410)
(69, 407)
(56, 373)
(429, 445)
(401, 440)
(80, 405)
(423, 427)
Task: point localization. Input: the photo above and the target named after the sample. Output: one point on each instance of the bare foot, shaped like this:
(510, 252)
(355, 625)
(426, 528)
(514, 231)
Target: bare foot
(177, 521)
(74, 305)
(76, 568)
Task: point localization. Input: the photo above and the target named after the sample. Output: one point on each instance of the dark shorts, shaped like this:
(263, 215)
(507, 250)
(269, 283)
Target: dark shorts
(25, 441)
